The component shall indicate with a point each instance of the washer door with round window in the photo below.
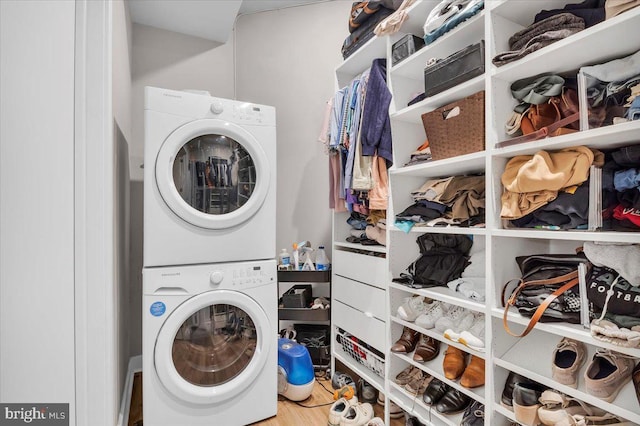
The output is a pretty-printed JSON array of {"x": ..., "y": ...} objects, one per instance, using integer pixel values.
[
  {"x": 212, "y": 347},
  {"x": 212, "y": 174}
]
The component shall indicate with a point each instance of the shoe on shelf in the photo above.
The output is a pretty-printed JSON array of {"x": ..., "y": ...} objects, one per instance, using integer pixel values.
[
  {"x": 427, "y": 349},
  {"x": 412, "y": 308},
  {"x": 410, "y": 420},
  {"x": 357, "y": 415},
  {"x": 509, "y": 384},
  {"x": 607, "y": 373},
  {"x": 376, "y": 421},
  {"x": 338, "y": 380},
  {"x": 454, "y": 363},
  {"x": 453, "y": 318},
  {"x": 453, "y": 333},
  {"x": 366, "y": 392},
  {"x": 339, "y": 408},
  {"x": 418, "y": 386},
  {"x": 406, "y": 375},
  {"x": 407, "y": 342},
  {"x": 559, "y": 409},
  {"x": 434, "y": 391},
  {"x": 435, "y": 311},
  {"x": 636, "y": 381},
  {"x": 568, "y": 358},
  {"x": 395, "y": 412},
  {"x": 473, "y": 415},
  {"x": 473, "y": 338},
  {"x": 453, "y": 402},
  {"x": 473, "y": 375},
  {"x": 526, "y": 402}
]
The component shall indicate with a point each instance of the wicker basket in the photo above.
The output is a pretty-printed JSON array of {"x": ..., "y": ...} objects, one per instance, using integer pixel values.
[{"x": 452, "y": 134}]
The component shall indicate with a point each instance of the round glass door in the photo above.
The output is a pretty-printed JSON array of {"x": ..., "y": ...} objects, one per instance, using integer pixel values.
[
  {"x": 212, "y": 347},
  {"x": 212, "y": 174}
]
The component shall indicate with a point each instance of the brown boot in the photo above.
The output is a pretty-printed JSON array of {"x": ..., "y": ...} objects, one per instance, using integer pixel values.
[
  {"x": 427, "y": 349},
  {"x": 454, "y": 363},
  {"x": 473, "y": 375},
  {"x": 407, "y": 342}
]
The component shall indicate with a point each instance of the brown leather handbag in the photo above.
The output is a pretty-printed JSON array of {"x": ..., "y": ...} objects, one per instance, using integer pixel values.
[{"x": 547, "y": 291}]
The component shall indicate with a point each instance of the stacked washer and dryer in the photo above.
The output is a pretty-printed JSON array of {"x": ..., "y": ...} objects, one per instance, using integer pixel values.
[{"x": 209, "y": 278}]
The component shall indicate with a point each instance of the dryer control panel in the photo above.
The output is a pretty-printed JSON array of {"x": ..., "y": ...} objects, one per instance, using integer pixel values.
[{"x": 251, "y": 276}]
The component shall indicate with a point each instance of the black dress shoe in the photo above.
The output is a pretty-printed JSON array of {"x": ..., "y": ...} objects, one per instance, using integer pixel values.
[
  {"x": 434, "y": 392},
  {"x": 473, "y": 415},
  {"x": 453, "y": 402},
  {"x": 507, "y": 392}
]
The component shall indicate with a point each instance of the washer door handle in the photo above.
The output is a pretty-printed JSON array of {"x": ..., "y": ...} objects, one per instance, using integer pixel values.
[{"x": 170, "y": 291}]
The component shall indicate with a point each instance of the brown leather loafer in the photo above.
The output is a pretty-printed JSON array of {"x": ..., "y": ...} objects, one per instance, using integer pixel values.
[
  {"x": 473, "y": 375},
  {"x": 454, "y": 363},
  {"x": 427, "y": 349},
  {"x": 407, "y": 342}
]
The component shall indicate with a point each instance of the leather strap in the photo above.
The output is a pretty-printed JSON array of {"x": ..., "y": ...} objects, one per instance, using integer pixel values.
[
  {"x": 540, "y": 134},
  {"x": 572, "y": 282}
]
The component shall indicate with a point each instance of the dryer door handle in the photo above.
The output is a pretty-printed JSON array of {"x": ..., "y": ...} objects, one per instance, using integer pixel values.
[{"x": 170, "y": 291}]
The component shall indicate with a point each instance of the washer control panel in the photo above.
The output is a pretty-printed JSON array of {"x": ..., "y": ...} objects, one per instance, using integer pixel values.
[
  {"x": 248, "y": 113},
  {"x": 250, "y": 276}
]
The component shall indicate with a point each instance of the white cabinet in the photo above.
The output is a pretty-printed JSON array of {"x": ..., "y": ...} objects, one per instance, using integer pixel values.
[{"x": 614, "y": 38}]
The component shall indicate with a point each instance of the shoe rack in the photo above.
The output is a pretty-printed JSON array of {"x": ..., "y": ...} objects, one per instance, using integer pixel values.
[{"x": 530, "y": 356}]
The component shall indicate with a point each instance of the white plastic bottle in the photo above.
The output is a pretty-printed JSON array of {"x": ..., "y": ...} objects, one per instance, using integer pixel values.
[
  {"x": 284, "y": 261},
  {"x": 322, "y": 261}
]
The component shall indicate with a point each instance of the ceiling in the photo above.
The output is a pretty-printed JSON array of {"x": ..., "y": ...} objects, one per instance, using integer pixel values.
[{"x": 208, "y": 19}]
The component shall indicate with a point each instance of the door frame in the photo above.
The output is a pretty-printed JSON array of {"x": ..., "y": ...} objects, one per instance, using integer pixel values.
[{"x": 96, "y": 343}]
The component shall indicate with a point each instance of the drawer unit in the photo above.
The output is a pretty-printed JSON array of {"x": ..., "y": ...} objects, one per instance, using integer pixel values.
[
  {"x": 363, "y": 326},
  {"x": 363, "y": 297},
  {"x": 360, "y": 267}
]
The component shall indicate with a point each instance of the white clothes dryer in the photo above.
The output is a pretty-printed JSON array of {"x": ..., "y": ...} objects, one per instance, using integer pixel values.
[
  {"x": 209, "y": 179},
  {"x": 210, "y": 344}
]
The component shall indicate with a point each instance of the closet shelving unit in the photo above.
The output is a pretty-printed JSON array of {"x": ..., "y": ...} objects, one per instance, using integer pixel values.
[{"x": 613, "y": 38}]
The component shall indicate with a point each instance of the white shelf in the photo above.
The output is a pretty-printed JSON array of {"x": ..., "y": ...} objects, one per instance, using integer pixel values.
[
  {"x": 415, "y": 406},
  {"x": 413, "y": 113},
  {"x": 375, "y": 249},
  {"x": 361, "y": 59},
  {"x": 573, "y": 331},
  {"x": 608, "y": 137},
  {"x": 441, "y": 230},
  {"x": 625, "y": 405},
  {"x": 590, "y": 46},
  {"x": 436, "y": 335},
  {"x": 612, "y": 236},
  {"x": 444, "y": 294},
  {"x": 458, "y": 38},
  {"x": 462, "y": 164},
  {"x": 507, "y": 413}
]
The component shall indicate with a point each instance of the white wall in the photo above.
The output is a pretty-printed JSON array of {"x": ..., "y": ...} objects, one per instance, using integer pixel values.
[
  {"x": 37, "y": 202},
  {"x": 286, "y": 58},
  {"x": 122, "y": 57},
  {"x": 173, "y": 61}
]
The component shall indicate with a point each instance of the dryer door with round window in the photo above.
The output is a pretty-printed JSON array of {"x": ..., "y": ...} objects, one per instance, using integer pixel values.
[
  {"x": 212, "y": 174},
  {"x": 212, "y": 347}
]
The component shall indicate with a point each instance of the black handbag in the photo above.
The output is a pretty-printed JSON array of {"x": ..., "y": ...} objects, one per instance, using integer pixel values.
[{"x": 547, "y": 291}]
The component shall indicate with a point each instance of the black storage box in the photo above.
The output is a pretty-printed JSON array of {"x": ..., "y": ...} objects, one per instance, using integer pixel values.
[
  {"x": 317, "y": 339},
  {"x": 298, "y": 296},
  {"x": 455, "y": 69},
  {"x": 405, "y": 47},
  {"x": 359, "y": 37}
]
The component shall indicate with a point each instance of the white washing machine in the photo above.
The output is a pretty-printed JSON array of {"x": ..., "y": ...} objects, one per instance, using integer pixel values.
[
  {"x": 209, "y": 179},
  {"x": 210, "y": 344}
]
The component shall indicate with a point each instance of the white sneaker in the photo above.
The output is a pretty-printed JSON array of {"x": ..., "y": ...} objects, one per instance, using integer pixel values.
[
  {"x": 376, "y": 421},
  {"x": 339, "y": 409},
  {"x": 451, "y": 318},
  {"x": 395, "y": 412},
  {"x": 434, "y": 311},
  {"x": 474, "y": 337},
  {"x": 412, "y": 308},
  {"x": 357, "y": 415},
  {"x": 465, "y": 323}
]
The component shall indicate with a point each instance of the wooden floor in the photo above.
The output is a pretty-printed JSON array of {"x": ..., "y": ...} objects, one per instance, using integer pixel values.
[{"x": 290, "y": 413}]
